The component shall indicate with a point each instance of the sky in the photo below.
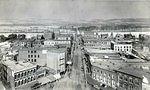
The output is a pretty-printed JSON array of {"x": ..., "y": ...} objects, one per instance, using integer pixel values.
[{"x": 72, "y": 10}]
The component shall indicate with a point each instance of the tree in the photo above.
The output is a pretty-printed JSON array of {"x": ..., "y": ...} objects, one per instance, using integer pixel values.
[
  {"x": 53, "y": 35},
  {"x": 12, "y": 37},
  {"x": 21, "y": 36},
  {"x": 141, "y": 38},
  {"x": 42, "y": 37},
  {"x": 2, "y": 38}
]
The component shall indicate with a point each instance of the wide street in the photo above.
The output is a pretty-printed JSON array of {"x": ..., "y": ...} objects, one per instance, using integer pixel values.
[
  {"x": 76, "y": 80},
  {"x": 1, "y": 86}
]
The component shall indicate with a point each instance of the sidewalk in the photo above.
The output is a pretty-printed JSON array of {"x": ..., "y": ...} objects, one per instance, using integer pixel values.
[{"x": 2, "y": 86}]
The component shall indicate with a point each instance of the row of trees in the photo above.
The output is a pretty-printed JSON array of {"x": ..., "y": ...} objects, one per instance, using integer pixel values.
[
  {"x": 119, "y": 26},
  {"x": 111, "y": 27},
  {"x": 12, "y": 37}
]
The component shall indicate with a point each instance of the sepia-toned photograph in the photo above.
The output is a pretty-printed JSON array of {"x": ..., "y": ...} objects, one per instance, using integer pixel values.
[{"x": 74, "y": 44}]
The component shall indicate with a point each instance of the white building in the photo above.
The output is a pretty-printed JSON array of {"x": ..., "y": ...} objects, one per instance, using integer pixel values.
[
  {"x": 52, "y": 57},
  {"x": 121, "y": 46},
  {"x": 18, "y": 73},
  {"x": 56, "y": 59},
  {"x": 103, "y": 44},
  {"x": 56, "y": 42},
  {"x": 63, "y": 37}
]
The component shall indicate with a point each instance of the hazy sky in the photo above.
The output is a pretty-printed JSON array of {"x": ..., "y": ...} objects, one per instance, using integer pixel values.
[{"x": 73, "y": 10}]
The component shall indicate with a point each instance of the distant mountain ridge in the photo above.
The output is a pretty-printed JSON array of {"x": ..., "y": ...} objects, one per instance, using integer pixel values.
[{"x": 96, "y": 22}]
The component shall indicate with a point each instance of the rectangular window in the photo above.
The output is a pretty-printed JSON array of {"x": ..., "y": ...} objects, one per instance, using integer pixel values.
[
  {"x": 31, "y": 56},
  {"x": 28, "y": 56},
  {"x": 121, "y": 77},
  {"x": 34, "y": 51},
  {"x": 31, "y": 51},
  {"x": 28, "y": 51},
  {"x": 15, "y": 76},
  {"x": 38, "y": 56},
  {"x": 35, "y": 56},
  {"x": 28, "y": 59},
  {"x": 34, "y": 60}
]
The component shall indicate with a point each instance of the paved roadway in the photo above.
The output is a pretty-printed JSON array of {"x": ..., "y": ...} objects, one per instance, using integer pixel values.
[
  {"x": 76, "y": 81},
  {"x": 2, "y": 86}
]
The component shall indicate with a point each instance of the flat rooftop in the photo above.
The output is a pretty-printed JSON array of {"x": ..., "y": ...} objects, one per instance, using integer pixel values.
[
  {"x": 112, "y": 61},
  {"x": 50, "y": 49},
  {"x": 131, "y": 71},
  {"x": 122, "y": 67},
  {"x": 46, "y": 79},
  {"x": 92, "y": 51},
  {"x": 122, "y": 42},
  {"x": 104, "y": 54},
  {"x": 18, "y": 66}
]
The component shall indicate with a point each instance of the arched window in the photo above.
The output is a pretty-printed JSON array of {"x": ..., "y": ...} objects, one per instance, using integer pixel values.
[
  {"x": 25, "y": 80},
  {"x": 34, "y": 70},
  {"x": 18, "y": 83},
  {"x": 31, "y": 71},
  {"x": 25, "y": 73},
  {"x": 33, "y": 78},
  {"x": 22, "y": 74},
  {"x": 15, "y": 76},
  {"x": 15, "y": 84},
  {"x": 21, "y": 82},
  {"x": 19, "y": 75},
  {"x": 28, "y": 72},
  {"x": 29, "y": 79}
]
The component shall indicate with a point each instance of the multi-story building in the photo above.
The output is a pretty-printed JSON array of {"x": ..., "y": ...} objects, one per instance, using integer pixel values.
[
  {"x": 96, "y": 40},
  {"x": 48, "y": 35},
  {"x": 123, "y": 46},
  {"x": 52, "y": 57},
  {"x": 129, "y": 79},
  {"x": 19, "y": 73},
  {"x": 119, "y": 79},
  {"x": 56, "y": 42},
  {"x": 102, "y": 44},
  {"x": 119, "y": 37},
  {"x": 56, "y": 59},
  {"x": 109, "y": 70},
  {"x": 63, "y": 37},
  {"x": 34, "y": 55},
  {"x": 104, "y": 77},
  {"x": 34, "y": 43}
]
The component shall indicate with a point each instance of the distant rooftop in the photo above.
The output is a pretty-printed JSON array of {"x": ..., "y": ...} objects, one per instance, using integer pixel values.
[
  {"x": 99, "y": 51},
  {"x": 57, "y": 40},
  {"x": 131, "y": 71},
  {"x": 112, "y": 61},
  {"x": 46, "y": 79},
  {"x": 123, "y": 68},
  {"x": 97, "y": 39},
  {"x": 52, "y": 49},
  {"x": 122, "y": 42}
]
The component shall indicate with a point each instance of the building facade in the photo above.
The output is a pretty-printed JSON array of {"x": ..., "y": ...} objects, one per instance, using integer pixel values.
[
  {"x": 97, "y": 43},
  {"x": 17, "y": 74},
  {"x": 34, "y": 55},
  {"x": 117, "y": 79},
  {"x": 121, "y": 46},
  {"x": 103, "y": 76},
  {"x": 56, "y": 42},
  {"x": 56, "y": 60},
  {"x": 128, "y": 81}
]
